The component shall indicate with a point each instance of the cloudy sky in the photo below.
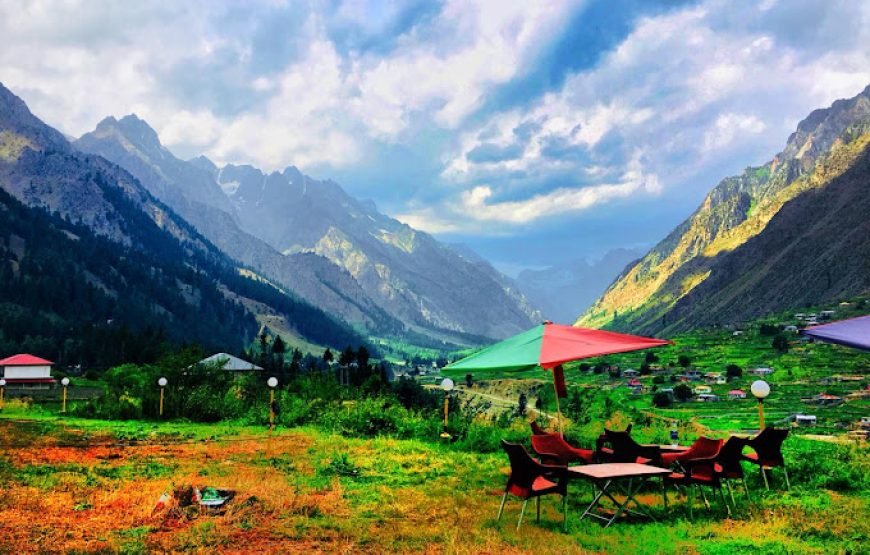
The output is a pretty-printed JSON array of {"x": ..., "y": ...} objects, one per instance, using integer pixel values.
[{"x": 535, "y": 132}]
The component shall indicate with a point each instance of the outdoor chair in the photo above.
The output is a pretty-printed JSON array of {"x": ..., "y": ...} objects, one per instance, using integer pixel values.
[
  {"x": 531, "y": 479},
  {"x": 602, "y": 453},
  {"x": 537, "y": 430},
  {"x": 768, "y": 452},
  {"x": 729, "y": 467},
  {"x": 623, "y": 448},
  {"x": 699, "y": 469},
  {"x": 553, "y": 449}
]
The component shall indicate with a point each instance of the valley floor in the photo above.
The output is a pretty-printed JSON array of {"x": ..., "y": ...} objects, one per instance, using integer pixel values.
[{"x": 89, "y": 487}]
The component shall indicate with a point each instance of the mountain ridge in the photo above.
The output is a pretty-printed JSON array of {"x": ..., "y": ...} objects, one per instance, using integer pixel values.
[{"x": 737, "y": 210}]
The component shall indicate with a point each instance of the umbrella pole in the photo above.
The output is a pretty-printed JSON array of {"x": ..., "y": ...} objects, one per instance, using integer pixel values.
[{"x": 558, "y": 408}]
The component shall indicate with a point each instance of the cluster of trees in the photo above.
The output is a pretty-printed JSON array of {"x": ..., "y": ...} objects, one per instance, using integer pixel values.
[{"x": 207, "y": 393}]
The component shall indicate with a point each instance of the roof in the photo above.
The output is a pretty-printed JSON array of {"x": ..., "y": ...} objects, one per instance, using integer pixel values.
[
  {"x": 736, "y": 392},
  {"x": 25, "y": 360},
  {"x": 230, "y": 363},
  {"x": 11, "y": 381}
]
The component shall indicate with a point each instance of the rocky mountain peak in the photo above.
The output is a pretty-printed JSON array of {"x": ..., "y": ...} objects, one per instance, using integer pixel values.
[
  {"x": 16, "y": 118},
  {"x": 204, "y": 163}
]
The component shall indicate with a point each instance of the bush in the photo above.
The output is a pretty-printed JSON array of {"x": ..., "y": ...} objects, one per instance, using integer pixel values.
[
  {"x": 662, "y": 399},
  {"x": 733, "y": 371},
  {"x": 780, "y": 343},
  {"x": 683, "y": 392},
  {"x": 658, "y": 380}
]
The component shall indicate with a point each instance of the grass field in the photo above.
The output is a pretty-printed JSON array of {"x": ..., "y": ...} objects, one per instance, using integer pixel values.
[{"x": 88, "y": 486}]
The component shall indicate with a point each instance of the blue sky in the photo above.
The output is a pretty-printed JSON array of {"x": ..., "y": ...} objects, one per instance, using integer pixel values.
[{"x": 535, "y": 132}]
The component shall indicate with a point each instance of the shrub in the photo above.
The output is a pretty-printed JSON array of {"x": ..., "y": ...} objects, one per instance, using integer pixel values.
[
  {"x": 733, "y": 371},
  {"x": 683, "y": 392},
  {"x": 662, "y": 399}
]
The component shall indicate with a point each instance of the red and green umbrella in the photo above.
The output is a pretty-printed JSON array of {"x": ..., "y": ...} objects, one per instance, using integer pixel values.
[{"x": 549, "y": 346}]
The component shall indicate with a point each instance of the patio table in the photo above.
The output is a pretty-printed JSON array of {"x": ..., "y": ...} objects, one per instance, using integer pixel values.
[{"x": 629, "y": 477}]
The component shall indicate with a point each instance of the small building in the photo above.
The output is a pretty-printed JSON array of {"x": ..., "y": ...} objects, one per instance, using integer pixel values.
[
  {"x": 230, "y": 363},
  {"x": 805, "y": 419},
  {"x": 826, "y": 400},
  {"x": 715, "y": 378},
  {"x": 630, "y": 373},
  {"x": 791, "y": 328},
  {"x": 634, "y": 382},
  {"x": 736, "y": 394},
  {"x": 693, "y": 375},
  {"x": 737, "y": 332},
  {"x": 707, "y": 398},
  {"x": 25, "y": 371},
  {"x": 827, "y": 314},
  {"x": 761, "y": 371},
  {"x": 703, "y": 390}
]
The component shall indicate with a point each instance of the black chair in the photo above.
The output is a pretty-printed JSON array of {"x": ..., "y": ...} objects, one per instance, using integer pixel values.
[
  {"x": 531, "y": 479},
  {"x": 768, "y": 452},
  {"x": 623, "y": 448},
  {"x": 729, "y": 467}
]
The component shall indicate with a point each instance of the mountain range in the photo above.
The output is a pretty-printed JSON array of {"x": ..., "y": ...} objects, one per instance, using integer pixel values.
[
  {"x": 87, "y": 252},
  {"x": 290, "y": 253},
  {"x": 310, "y": 236},
  {"x": 793, "y": 232}
]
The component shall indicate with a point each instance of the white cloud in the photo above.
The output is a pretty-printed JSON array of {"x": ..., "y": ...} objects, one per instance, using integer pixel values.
[
  {"x": 728, "y": 127},
  {"x": 691, "y": 89},
  {"x": 475, "y": 210}
]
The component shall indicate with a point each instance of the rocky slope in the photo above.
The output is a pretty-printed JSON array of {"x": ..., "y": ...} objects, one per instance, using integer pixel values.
[
  {"x": 717, "y": 267},
  {"x": 191, "y": 190},
  {"x": 162, "y": 253},
  {"x": 424, "y": 283}
]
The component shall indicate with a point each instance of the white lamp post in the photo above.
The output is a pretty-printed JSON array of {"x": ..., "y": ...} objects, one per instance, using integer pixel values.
[
  {"x": 760, "y": 389},
  {"x": 2, "y": 391},
  {"x": 272, "y": 383},
  {"x": 447, "y": 386},
  {"x": 64, "y": 382},
  {"x": 162, "y": 383}
]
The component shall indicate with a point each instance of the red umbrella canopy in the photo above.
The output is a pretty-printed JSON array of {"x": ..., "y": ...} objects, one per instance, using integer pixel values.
[{"x": 551, "y": 345}]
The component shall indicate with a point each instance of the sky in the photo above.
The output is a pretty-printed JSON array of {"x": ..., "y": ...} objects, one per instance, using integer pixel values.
[{"x": 535, "y": 132}]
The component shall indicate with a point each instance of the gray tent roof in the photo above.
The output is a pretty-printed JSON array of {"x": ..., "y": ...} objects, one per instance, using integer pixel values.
[{"x": 230, "y": 363}]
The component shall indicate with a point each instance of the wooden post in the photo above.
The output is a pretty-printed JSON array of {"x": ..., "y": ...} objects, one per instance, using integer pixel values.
[
  {"x": 761, "y": 413},
  {"x": 444, "y": 433},
  {"x": 558, "y": 408},
  {"x": 2, "y": 391},
  {"x": 161, "y": 402},
  {"x": 271, "y": 410},
  {"x": 63, "y": 409}
]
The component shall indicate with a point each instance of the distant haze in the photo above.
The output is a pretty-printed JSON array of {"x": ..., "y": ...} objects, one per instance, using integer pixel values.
[{"x": 563, "y": 292}]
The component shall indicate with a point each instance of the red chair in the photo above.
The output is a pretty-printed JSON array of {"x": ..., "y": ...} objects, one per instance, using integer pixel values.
[
  {"x": 536, "y": 429},
  {"x": 728, "y": 465},
  {"x": 768, "y": 452},
  {"x": 531, "y": 479},
  {"x": 699, "y": 470},
  {"x": 553, "y": 449}
]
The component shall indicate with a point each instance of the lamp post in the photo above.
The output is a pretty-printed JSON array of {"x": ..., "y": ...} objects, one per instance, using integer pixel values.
[
  {"x": 760, "y": 389},
  {"x": 272, "y": 383},
  {"x": 64, "y": 382},
  {"x": 2, "y": 391},
  {"x": 447, "y": 386},
  {"x": 162, "y": 383}
]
